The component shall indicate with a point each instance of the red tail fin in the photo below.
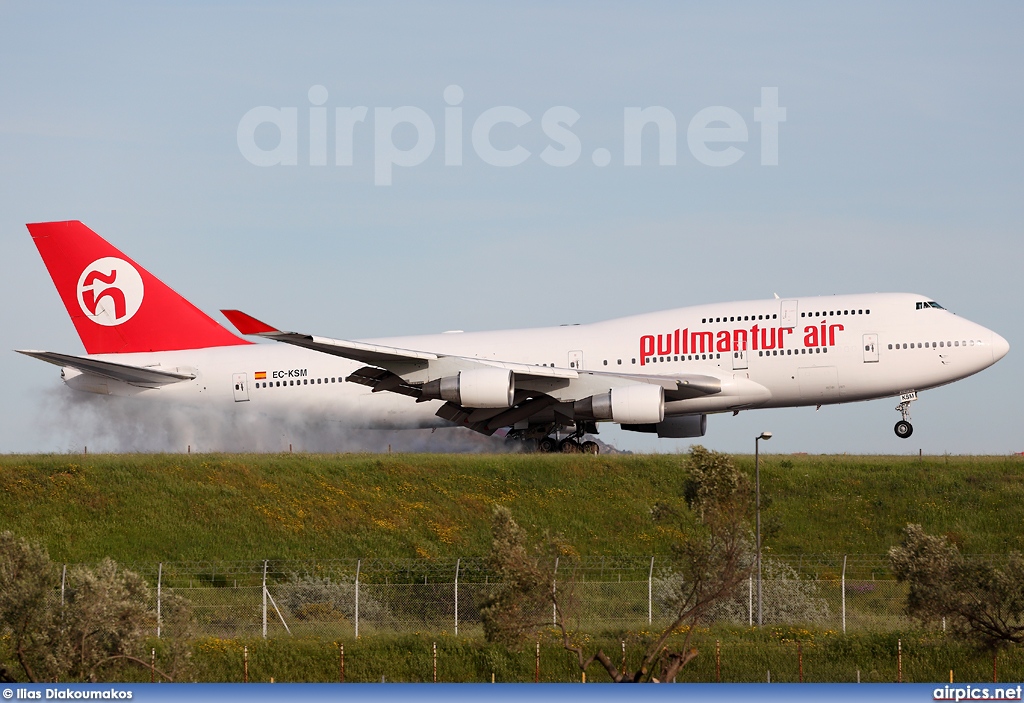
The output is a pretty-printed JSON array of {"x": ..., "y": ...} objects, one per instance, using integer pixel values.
[{"x": 116, "y": 305}]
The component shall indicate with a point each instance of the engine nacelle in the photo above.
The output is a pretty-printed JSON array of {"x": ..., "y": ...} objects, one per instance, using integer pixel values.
[
  {"x": 476, "y": 388},
  {"x": 676, "y": 427},
  {"x": 642, "y": 403}
]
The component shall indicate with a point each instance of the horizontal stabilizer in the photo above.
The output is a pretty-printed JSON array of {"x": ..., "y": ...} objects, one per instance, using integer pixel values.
[{"x": 136, "y": 375}]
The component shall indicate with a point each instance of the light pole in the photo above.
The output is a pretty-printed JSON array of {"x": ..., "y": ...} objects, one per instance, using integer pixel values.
[{"x": 757, "y": 494}]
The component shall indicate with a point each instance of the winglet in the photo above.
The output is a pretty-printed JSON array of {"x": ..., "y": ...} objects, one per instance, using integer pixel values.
[{"x": 247, "y": 324}]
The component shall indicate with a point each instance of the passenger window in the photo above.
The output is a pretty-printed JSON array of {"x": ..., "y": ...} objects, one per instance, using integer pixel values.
[{"x": 620, "y": 362}]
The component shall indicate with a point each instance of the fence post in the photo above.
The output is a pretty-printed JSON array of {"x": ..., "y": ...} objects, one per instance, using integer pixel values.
[
  {"x": 341, "y": 663},
  {"x": 800, "y": 659},
  {"x": 650, "y": 593},
  {"x": 359, "y": 564},
  {"x": 536, "y": 666},
  {"x": 435, "y": 662},
  {"x": 159, "y": 583},
  {"x": 750, "y": 601},
  {"x": 554, "y": 608},
  {"x": 842, "y": 584},
  {"x": 899, "y": 661},
  {"x": 265, "y": 599},
  {"x": 64, "y": 579},
  {"x": 458, "y": 563},
  {"x": 245, "y": 664},
  {"x": 718, "y": 661}
]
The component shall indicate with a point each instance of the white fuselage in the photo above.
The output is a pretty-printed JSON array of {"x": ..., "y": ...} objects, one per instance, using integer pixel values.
[{"x": 768, "y": 353}]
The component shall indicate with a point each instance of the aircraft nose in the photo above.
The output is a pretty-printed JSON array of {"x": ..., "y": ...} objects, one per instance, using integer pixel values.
[{"x": 999, "y": 347}]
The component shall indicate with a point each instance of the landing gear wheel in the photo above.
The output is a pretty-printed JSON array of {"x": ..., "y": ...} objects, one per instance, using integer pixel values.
[
  {"x": 547, "y": 445},
  {"x": 590, "y": 448},
  {"x": 903, "y": 428},
  {"x": 569, "y": 446}
]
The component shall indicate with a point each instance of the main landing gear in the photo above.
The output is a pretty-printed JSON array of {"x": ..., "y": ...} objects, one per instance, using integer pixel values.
[
  {"x": 903, "y": 428},
  {"x": 548, "y": 444}
]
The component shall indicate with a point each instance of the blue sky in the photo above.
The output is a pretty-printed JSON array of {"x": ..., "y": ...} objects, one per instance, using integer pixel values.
[{"x": 900, "y": 169}]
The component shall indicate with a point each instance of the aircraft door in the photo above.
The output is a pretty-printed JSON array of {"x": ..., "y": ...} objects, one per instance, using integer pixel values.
[
  {"x": 870, "y": 348},
  {"x": 240, "y": 383},
  {"x": 788, "y": 317},
  {"x": 576, "y": 360},
  {"x": 739, "y": 359}
]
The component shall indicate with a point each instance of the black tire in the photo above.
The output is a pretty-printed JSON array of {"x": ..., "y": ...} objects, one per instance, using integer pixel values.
[
  {"x": 903, "y": 429},
  {"x": 547, "y": 445},
  {"x": 569, "y": 446},
  {"x": 591, "y": 448}
]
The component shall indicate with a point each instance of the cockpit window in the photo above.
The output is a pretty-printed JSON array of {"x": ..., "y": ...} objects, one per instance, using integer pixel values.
[{"x": 930, "y": 304}]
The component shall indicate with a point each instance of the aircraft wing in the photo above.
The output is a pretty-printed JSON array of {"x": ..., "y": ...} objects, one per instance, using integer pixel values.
[
  {"x": 391, "y": 358},
  {"x": 136, "y": 375},
  {"x": 533, "y": 391}
]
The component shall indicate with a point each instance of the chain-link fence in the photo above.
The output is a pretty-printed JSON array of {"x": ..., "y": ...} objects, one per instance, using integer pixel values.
[{"x": 363, "y": 597}]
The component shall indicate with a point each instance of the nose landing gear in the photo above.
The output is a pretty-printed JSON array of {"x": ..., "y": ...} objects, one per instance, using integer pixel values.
[{"x": 903, "y": 428}]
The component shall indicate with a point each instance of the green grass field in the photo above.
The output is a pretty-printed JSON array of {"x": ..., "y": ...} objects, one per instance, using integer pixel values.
[
  {"x": 221, "y": 508},
  {"x": 738, "y": 656},
  {"x": 138, "y": 508}
]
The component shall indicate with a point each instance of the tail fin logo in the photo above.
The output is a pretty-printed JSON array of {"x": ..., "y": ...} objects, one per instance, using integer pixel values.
[{"x": 110, "y": 291}]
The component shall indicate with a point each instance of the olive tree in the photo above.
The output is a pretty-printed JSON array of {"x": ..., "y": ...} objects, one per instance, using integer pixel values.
[
  {"x": 99, "y": 625},
  {"x": 708, "y": 564},
  {"x": 980, "y": 600}
]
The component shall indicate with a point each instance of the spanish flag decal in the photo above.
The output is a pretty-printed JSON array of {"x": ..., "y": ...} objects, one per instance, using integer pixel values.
[{"x": 261, "y": 375}]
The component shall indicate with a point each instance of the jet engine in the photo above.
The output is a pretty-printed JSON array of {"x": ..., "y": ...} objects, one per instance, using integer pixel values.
[
  {"x": 643, "y": 403},
  {"x": 675, "y": 427},
  {"x": 476, "y": 388}
]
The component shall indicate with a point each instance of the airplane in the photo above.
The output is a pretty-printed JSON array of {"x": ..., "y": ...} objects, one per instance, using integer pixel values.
[{"x": 545, "y": 388}]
